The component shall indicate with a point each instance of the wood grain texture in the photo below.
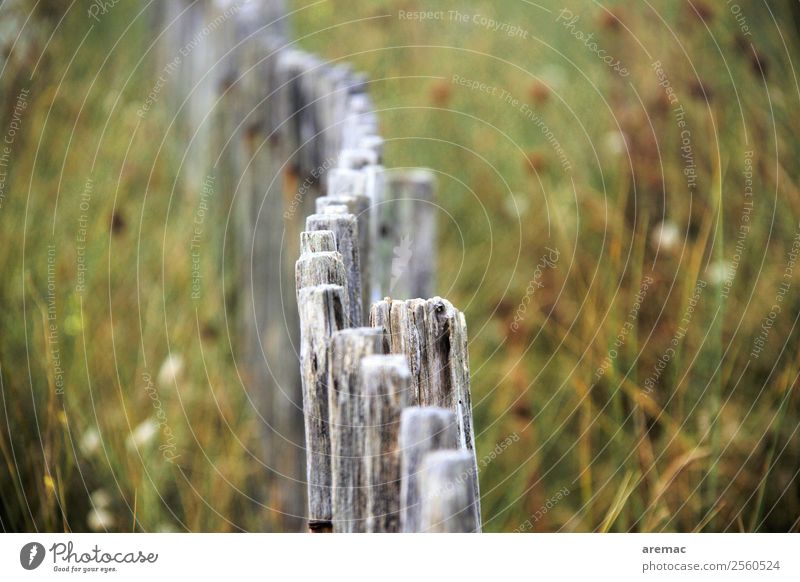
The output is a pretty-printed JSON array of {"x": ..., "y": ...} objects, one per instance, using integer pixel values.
[
  {"x": 289, "y": 69},
  {"x": 322, "y": 313},
  {"x": 449, "y": 500},
  {"x": 422, "y": 430},
  {"x": 432, "y": 334},
  {"x": 345, "y": 227},
  {"x": 332, "y": 92},
  {"x": 387, "y": 382},
  {"x": 318, "y": 241},
  {"x": 358, "y": 206},
  {"x": 321, "y": 268},
  {"x": 347, "y": 406}
]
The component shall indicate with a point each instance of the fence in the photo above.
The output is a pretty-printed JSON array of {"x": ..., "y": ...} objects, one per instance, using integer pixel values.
[{"x": 378, "y": 410}]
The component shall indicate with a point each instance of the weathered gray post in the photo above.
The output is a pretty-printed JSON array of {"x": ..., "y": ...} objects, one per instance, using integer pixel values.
[
  {"x": 449, "y": 500},
  {"x": 358, "y": 206},
  {"x": 347, "y": 420},
  {"x": 322, "y": 313},
  {"x": 406, "y": 235},
  {"x": 433, "y": 336},
  {"x": 422, "y": 430},
  {"x": 387, "y": 381},
  {"x": 317, "y": 241},
  {"x": 321, "y": 267},
  {"x": 345, "y": 228},
  {"x": 346, "y": 182}
]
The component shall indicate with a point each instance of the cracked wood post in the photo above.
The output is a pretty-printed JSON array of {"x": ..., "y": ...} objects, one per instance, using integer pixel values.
[
  {"x": 317, "y": 241},
  {"x": 346, "y": 405},
  {"x": 387, "y": 381},
  {"x": 449, "y": 499},
  {"x": 358, "y": 206},
  {"x": 365, "y": 182},
  {"x": 319, "y": 267},
  {"x": 345, "y": 228},
  {"x": 322, "y": 314},
  {"x": 432, "y": 334},
  {"x": 422, "y": 430}
]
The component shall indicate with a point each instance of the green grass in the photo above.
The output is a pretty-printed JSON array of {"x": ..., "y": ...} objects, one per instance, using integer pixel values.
[{"x": 714, "y": 446}]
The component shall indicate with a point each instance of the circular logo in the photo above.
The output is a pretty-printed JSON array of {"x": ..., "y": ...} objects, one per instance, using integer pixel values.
[{"x": 31, "y": 555}]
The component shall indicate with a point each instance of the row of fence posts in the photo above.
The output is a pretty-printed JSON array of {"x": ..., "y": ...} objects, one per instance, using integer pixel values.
[{"x": 383, "y": 412}]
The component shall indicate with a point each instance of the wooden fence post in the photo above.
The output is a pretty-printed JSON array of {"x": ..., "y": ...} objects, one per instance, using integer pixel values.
[
  {"x": 320, "y": 268},
  {"x": 422, "y": 430},
  {"x": 322, "y": 313},
  {"x": 358, "y": 206},
  {"x": 433, "y": 336},
  {"x": 345, "y": 227},
  {"x": 449, "y": 498},
  {"x": 317, "y": 241},
  {"x": 347, "y": 420},
  {"x": 347, "y": 182},
  {"x": 387, "y": 381},
  {"x": 406, "y": 235}
]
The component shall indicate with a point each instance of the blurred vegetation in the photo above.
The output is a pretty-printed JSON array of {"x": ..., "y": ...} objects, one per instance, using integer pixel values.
[{"x": 712, "y": 446}]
